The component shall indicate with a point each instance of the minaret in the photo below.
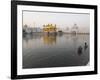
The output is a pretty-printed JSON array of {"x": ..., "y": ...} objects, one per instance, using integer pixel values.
[{"x": 33, "y": 24}]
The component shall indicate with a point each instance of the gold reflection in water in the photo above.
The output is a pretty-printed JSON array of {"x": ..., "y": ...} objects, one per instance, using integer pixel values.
[{"x": 49, "y": 39}]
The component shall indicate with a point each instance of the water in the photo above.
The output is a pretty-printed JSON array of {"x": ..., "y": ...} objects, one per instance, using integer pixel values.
[{"x": 42, "y": 51}]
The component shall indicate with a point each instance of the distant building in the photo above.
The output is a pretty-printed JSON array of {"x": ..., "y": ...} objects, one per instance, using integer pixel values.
[
  {"x": 74, "y": 29},
  {"x": 50, "y": 28},
  {"x": 66, "y": 30},
  {"x": 37, "y": 29},
  {"x": 27, "y": 29}
]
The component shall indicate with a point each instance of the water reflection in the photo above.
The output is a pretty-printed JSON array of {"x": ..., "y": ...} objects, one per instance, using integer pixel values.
[
  {"x": 28, "y": 37},
  {"x": 49, "y": 39},
  {"x": 41, "y": 50},
  {"x": 74, "y": 39}
]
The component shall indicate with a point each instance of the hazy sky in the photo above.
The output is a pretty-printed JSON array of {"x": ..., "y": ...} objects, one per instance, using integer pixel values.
[{"x": 62, "y": 20}]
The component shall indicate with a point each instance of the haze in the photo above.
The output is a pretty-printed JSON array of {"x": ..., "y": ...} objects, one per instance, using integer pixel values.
[{"x": 62, "y": 20}]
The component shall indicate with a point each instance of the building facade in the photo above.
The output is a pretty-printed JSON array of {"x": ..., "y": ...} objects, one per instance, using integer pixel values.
[
  {"x": 74, "y": 29},
  {"x": 50, "y": 28}
]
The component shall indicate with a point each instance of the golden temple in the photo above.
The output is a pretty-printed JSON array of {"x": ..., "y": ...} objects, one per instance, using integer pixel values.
[{"x": 49, "y": 28}]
